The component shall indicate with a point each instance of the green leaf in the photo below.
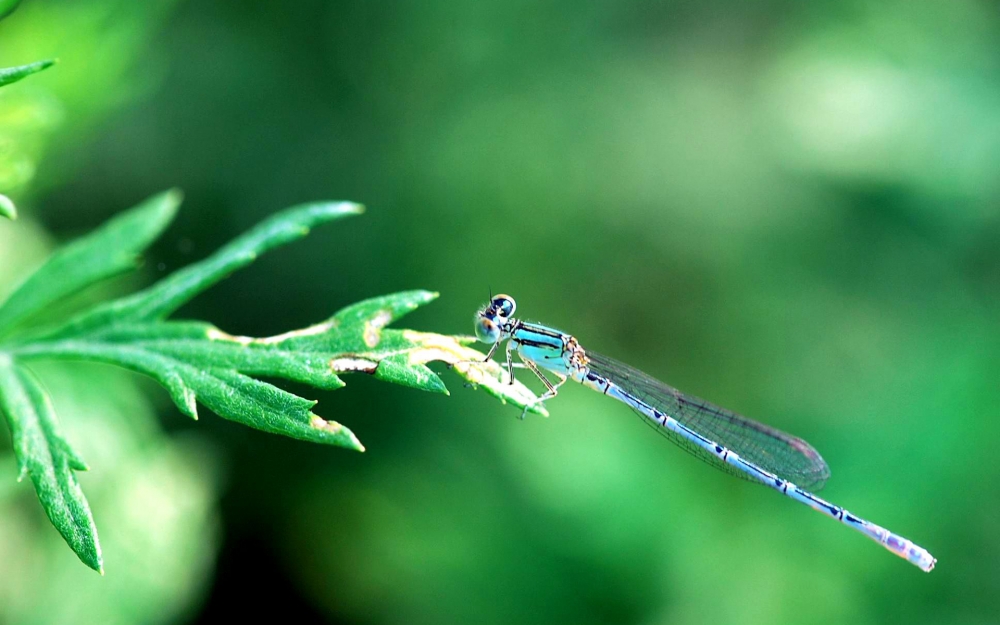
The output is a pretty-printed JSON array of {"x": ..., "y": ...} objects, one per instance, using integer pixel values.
[
  {"x": 469, "y": 363},
  {"x": 7, "y": 208},
  {"x": 195, "y": 341},
  {"x": 357, "y": 341},
  {"x": 44, "y": 455},
  {"x": 7, "y": 7},
  {"x": 111, "y": 249},
  {"x": 10, "y": 75},
  {"x": 196, "y": 362},
  {"x": 225, "y": 391},
  {"x": 266, "y": 407},
  {"x": 199, "y": 364},
  {"x": 172, "y": 292}
]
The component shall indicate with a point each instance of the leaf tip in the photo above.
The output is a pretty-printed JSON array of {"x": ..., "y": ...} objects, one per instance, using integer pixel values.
[
  {"x": 539, "y": 410},
  {"x": 353, "y": 442},
  {"x": 77, "y": 464},
  {"x": 88, "y": 552},
  {"x": 191, "y": 403},
  {"x": 422, "y": 298},
  {"x": 174, "y": 196},
  {"x": 7, "y": 208},
  {"x": 345, "y": 437},
  {"x": 433, "y": 382}
]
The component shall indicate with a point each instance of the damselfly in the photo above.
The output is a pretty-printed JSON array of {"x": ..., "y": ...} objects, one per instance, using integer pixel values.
[{"x": 724, "y": 439}]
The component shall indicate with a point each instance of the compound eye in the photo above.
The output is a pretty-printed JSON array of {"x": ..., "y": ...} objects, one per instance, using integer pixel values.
[
  {"x": 504, "y": 305},
  {"x": 487, "y": 331}
]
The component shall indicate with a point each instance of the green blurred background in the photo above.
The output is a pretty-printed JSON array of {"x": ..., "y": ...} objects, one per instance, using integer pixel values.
[{"x": 790, "y": 208}]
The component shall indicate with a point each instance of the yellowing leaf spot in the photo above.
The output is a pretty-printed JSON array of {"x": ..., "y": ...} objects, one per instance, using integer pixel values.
[
  {"x": 215, "y": 334},
  {"x": 319, "y": 423},
  {"x": 469, "y": 364},
  {"x": 373, "y": 327}
]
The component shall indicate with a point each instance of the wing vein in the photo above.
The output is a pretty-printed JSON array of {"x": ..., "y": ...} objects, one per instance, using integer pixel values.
[{"x": 787, "y": 456}]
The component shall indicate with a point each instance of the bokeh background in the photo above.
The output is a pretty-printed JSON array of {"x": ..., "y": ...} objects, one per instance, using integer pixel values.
[{"x": 790, "y": 208}]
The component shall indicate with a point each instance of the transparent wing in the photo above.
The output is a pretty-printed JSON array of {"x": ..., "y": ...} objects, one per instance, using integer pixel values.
[{"x": 784, "y": 455}]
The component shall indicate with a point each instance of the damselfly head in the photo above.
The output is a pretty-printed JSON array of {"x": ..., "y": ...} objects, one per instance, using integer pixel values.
[
  {"x": 503, "y": 305},
  {"x": 491, "y": 319}
]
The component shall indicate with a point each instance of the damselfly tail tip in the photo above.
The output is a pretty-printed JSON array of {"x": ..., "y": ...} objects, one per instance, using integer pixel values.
[
  {"x": 928, "y": 565},
  {"x": 921, "y": 558}
]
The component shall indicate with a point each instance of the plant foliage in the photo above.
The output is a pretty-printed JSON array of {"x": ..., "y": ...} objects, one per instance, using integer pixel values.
[
  {"x": 10, "y": 75},
  {"x": 193, "y": 360},
  {"x": 7, "y": 7}
]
